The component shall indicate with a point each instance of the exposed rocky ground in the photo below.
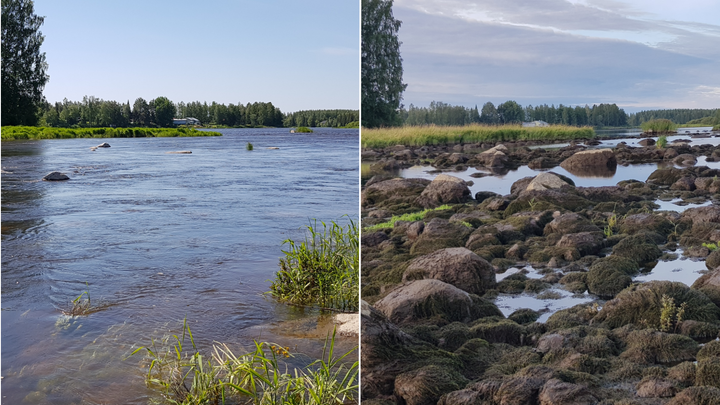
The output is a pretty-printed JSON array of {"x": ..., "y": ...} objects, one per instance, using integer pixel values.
[{"x": 432, "y": 334}]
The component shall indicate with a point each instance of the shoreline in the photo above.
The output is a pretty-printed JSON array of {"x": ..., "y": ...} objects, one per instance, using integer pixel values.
[{"x": 11, "y": 133}]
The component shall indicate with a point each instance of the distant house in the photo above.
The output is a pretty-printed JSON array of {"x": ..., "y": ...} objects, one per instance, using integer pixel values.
[
  {"x": 536, "y": 124},
  {"x": 186, "y": 121}
]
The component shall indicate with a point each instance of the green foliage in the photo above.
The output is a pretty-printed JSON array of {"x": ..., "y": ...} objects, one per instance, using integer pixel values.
[
  {"x": 323, "y": 118},
  {"x": 671, "y": 315},
  {"x": 711, "y": 246},
  {"x": 164, "y": 111},
  {"x": 15, "y": 133},
  {"x": 609, "y": 230},
  {"x": 381, "y": 65},
  {"x": 659, "y": 126},
  {"x": 679, "y": 115},
  {"x": 323, "y": 270},
  {"x": 80, "y": 306},
  {"x": 303, "y": 130},
  {"x": 661, "y": 142},
  {"x": 23, "y": 65},
  {"x": 249, "y": 146},
  {"x": 434, "y": 135},
  {"x": 410, "y": 217},
  {"x": 186, "y": 376}
]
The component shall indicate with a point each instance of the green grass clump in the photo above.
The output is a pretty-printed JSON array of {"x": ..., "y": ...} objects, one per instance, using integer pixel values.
[
  {"x": 661, "y": 142},
  {"x": 81, "y": 307},
  {"x": 33, "y": 133},
  {"x": 258, "y": 377},
  {"x": 322, "y": 271},
  {"x": 659, "y": 126},
  {"x": 303, "y": 130},
  {"x": 438, "y": 135},
  {"x": 249, "y": 146},
  {"x": 411, "y": 217},
  {"x": 711, "y": 246},
  {"x": 352, "y": 124}
]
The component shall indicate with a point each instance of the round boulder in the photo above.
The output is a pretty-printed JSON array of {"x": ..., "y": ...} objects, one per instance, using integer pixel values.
[
  {"x": 457, "y": 266},
  {"x": 428, "y": 298},
  {"x": 444, "y": 189},
  {"x": 590, "y": 160},
  {"x": 55, "y": 176}
]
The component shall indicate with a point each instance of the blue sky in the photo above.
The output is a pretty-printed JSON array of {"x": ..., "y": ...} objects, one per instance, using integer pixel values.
[
  {"x": 297, "y": 55},
  {"x": 640, "y": 54}
]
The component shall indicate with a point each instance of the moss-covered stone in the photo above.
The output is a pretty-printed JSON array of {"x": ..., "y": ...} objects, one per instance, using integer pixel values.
[
  {"x": 524, "y": 316},
  {"x": 642, "y": 304},
  {"x": 708, "y": 372},
  {"x": 504, "y": 331},
  {"x": 652, "y": 347},
  {"x": 637, "y": 248},
  {"x": 683, "y": 373},
  {"x": 697, "y": 396},
  {"x": 427, "y": 384},
  {"x": 571, "y": 317},
  {"x": 450, "y": 337}
]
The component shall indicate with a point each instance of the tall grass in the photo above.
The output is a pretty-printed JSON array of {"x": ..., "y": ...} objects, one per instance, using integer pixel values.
[
  {"x": 323, "y": 270},
  {"x": 23, "y": 132},
  {"x": 658, "y": 126},
  {"x": 413, "y": 216},
  {"x": 186, "y": 376},
  {"x": 438, "y": 135},
  {"x": 303, "y": 130}
]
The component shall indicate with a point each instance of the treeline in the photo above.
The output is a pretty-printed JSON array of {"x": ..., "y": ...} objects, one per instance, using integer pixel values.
[
  {"x": 321, "y": 118},
  {"x": 509, "y": 112},
  {"x": 679, "y": 115},
  {"x": 93, "y": 112}
]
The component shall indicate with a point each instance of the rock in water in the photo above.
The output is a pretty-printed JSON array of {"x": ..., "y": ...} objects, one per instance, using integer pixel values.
[
  {"x": 544, "y": 181},
  {"x": 182, "y": 152},
  {"x": 55, "y": 176},
  {"x": 103, "y": 145},
  {"x": 589, "y": 161}
]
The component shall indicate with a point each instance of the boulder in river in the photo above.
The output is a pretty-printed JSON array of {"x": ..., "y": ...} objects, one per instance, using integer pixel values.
[
  {"x": 103, "y": 145},
  {"x": 55, "y": 176},
  {"x": 591, "y": 162},
  {"x": 444, "y": 189},
  {"x": 544, "y": 181}
]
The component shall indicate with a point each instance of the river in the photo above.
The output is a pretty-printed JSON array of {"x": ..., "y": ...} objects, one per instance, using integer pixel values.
[{"x": 157, "y": 237}]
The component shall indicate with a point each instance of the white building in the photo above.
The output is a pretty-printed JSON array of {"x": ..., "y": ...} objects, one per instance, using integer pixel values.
[
  {"x": 186, "y": 121},
  {"x": 536, "y": 124}
]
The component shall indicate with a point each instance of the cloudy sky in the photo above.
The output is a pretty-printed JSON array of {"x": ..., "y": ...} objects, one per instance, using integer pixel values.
[
  {"x": 298, "y": 55},
  {"x": 640, "y": 54}
]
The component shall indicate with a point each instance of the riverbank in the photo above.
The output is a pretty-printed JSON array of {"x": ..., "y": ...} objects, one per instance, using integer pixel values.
[
  {"x": 22, "y": 132},
  {"x": 442, "y": 135},
  {"x": 541, "y": 292}
]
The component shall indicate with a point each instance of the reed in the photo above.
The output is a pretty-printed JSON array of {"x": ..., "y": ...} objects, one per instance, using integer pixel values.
[
  {"x": 249, "y": 146},
  {"x": 186, "y": 376},
  {"x": 84, "y": 306},
  {"x": 24, "y": 132},
  {"x": 323, "y": 270},
  {"x": 410, "y": 217},
  {"x": 439, "y": 135},
  {"x": 658, "y": 126}
]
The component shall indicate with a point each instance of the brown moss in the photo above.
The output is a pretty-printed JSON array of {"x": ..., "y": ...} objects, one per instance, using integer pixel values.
[
  {"x": 708, "y": 372},
  {"x": 683, "y": 373},
  {"x": 653, "y": 347},
  {"x": 711, "y": 349},
  {"x": 504, "y": 331}
]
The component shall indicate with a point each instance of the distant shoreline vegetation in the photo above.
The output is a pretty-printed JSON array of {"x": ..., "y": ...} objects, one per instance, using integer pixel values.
[
  {"x": 305, "y": 130},
  {"x": 439, "y": 135},
  {"x": 32, "y": 133}
]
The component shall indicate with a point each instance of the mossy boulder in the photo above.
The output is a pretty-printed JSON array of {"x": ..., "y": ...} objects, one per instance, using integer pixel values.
[
  {"x": 640, "y": 248},
  {"x": 711, "y": 213},
  {"x": 587, "y": 243},
  {"x": 610, "y": 275},
  {"x": 642, "y": 304},
  {"x": 709, "y": 284},
  {"x": 697, "y": 396},
  {"x": 541, "y": 200},
  {"x": 457, "y": 266},
  {"x": 570, "y": 223},
  {"x": 393, "y": 192},
  {"x": 708, "y": 372},
  {"x": 683, "y": 374},
  {"x": 439, "y": 234},
  {"x": 665, "y": 177},
  {"x": 451, "y": 337},
  {"x": 656, "y": 387},
  {"x": 519, "y": 390},
  {"x": 590, "y": 161},
  {"x": 503, "y": 331},
  {"x": 568, "y": 318},
  {"x": 712, "y": 262},
  {"x": 524, "y": 316},
  {"x": 643, "y": 222},
  {"x": 427, "y": 384},
  {"x": 652, "y": 347},
  {"x": 476, "y": 355},
  {"x": 698, "y": 330},
  {"x": 558, "y": 392},
  {"x": 444, "y": 189},
  {"x": 431, "y": 299}
]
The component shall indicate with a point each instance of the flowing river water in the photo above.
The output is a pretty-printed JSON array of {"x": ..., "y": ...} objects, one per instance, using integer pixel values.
[{"x": 157, "y": 237}]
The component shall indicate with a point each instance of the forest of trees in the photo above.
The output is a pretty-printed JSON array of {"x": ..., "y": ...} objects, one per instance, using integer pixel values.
[
  {"x": 602, "y": 115},
  {"x": 159, "y": 112}
]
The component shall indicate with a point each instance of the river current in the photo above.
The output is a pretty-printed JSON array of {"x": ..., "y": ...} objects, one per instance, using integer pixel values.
[{"x": 158, "y": 237}]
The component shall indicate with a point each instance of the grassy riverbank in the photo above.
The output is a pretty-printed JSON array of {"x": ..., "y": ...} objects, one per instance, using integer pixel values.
[
  {"x": 438, "y": 135},
  {"x": 323, "y": 270},
  {"x": 20, "y": 132},
  {"x": 186, "y": 375}
]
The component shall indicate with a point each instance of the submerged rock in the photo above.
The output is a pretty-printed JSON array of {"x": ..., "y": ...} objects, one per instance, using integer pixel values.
[{"x": 55, "y": 176}]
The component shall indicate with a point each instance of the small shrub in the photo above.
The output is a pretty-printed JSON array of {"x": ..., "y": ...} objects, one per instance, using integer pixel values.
[
  {"x": 249, "y": 146},
  {"x": 303, "y": 130},
  {"x": 661, "y": 142}
]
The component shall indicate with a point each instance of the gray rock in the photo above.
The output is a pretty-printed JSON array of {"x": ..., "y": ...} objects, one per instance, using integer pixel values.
[
  {"x": 459, "y": 267},
  {"x": 55, "y": 176}
]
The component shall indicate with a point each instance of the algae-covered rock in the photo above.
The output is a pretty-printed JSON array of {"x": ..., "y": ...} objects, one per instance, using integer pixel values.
[
  {"x": 610, "y": 275},
  {"x": 652, "y": 347},
  {"x": 587, "y": 243},
  {"x": 639, "y": 248},
  {"x": 683, "y": 374},
  {"x": 551, "y": 199},
  {"x": 713, "y": 260},
  {"x": 429, "y": 298},
  {"x": 439, "y": 234},
  {"x": 642, "y": 304},
  {"x": 557, "y": 392},
  {"x": 711, "y": 213},
  {"x": 524, "y": 316},
  {"x": 656, "y": 387},
  {"x": 643, "y": 222},
  {"x": 665, "y": 177},
  {"x": 585, "y": 161},
  {"x": 426, "y": 385},
  {"x": 708, "y": 372},
  {"x": 570, "y": 223},
  {"x": 451, "y": 337},
  {"x": 444, "y": 189},
  {"x": 465, "y": 396},
  {"x": 504, "y": 331},
  {"x": 709, "y": 284},
  {"x": 544, "y": 181},
  {"x": 393, "y": 191},
  {"x": 698, "y": 330},
  {"x": 476, "y": 355},
  {"x": 519, "y": 391},
  {"x": 457, "y": 266},
  {"x": 697, "y": 396},
  {"x": 570, "y": 317}
]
